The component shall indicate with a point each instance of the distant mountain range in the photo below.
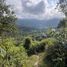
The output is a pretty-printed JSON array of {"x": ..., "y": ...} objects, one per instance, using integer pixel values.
[
  {"x": 37, "y": 24},
  {"x": 33, "y": 25}
]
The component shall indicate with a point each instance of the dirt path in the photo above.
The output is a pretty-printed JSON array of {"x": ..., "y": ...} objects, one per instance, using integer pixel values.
[{"x": 36, "y": 64}]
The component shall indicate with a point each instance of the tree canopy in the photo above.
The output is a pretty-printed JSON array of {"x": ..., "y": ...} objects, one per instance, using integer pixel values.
[
  {"x": 63, "y": 6},
  {"x": 63, "y": 23},
  {"x": 7, "y": 18}
]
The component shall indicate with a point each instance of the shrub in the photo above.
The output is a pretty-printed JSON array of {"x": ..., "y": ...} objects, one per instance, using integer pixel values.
[
  {"x": 56, "y": 56},
  {"x": 36, "y": 49},
  {"x": 27, "y": 43},
  {"x": 12, "y": 55},
  {"x": 49, "y": 42}
]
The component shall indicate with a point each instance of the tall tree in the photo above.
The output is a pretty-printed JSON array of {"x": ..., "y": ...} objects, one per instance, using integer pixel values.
[
  {"x": 7, "y": 18},
  {"x": 63, "y": 23},
  {"x": 63, "y": 6}
]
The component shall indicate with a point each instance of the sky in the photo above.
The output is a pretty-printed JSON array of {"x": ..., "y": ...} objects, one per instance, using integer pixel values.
[{"x": 35, "y": 9}]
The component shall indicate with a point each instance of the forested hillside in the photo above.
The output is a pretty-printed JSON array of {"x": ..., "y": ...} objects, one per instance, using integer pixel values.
[
  {"x": 32, "y": 47},
  {"x": 38, "y": 24}
]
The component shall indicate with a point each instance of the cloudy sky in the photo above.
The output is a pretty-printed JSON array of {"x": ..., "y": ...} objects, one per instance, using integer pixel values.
[{"x": 35, "y": 9}]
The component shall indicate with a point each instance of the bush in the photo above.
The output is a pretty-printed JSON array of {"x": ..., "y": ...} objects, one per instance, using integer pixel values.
[
  {"x": 27, "y": 43},
  {"x": 56, "y": 56},
  {"x": 36, "y": 49},
  {"x": 12, "y": 55},
  {"x": 49, "y": 42}
]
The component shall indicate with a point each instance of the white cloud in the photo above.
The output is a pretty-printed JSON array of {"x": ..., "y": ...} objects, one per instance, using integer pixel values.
[
  {"x": 16, "y": 6},
  {"x": 36, "y": 9},
  {"x": 34, "y": 2}
]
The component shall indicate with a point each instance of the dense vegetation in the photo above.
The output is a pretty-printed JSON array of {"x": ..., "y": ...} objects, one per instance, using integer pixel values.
[{"x": 38, "y": 49}]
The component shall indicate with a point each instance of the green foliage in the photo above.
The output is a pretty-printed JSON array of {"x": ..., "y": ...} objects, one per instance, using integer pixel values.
[
  {"x": 24, "y": 52},
  {"x": 56, "y": 56},
  {"x": 63, "y": 23},
  {"x": 2, "y": 53},
  {"x": 63, "y": 6},
  {"x": 55, "y": 53},
  {"x": 40, "y": 47},
  {"x": 12, "y": 55},
  {"x": 7, "y": 19},
  {"x": 27, "y": 43},
  {"x": 49, "y": 42}
]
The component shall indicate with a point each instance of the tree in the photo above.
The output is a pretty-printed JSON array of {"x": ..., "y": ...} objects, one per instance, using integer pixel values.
[
  {"x": 63, "y": 6},
  {"x": 27, "y": 43},
  {"x": 7, "y": 18},
  {"x": 11, "y": 55},
  {"x": 63, "y": 23},
  {"x": 56, "y": 56}
]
